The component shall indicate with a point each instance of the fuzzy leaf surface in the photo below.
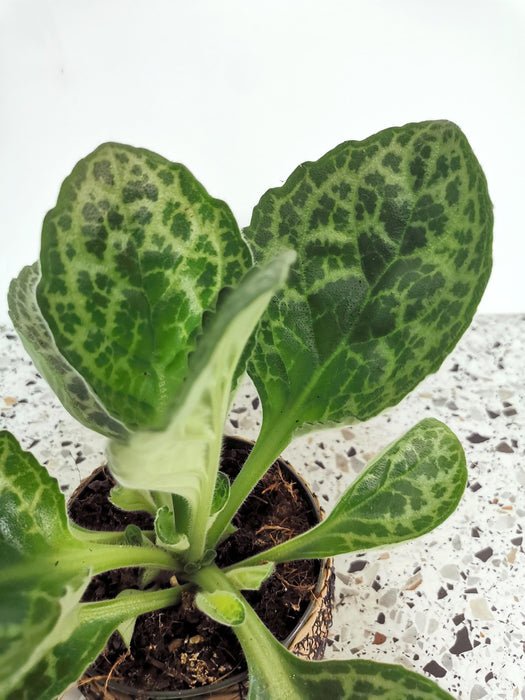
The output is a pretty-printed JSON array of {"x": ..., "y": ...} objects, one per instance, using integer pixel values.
[
  {"x": 133, "y": 255},
  {"x": 393, "y": 236},
  {"x": 250, "y": 578},
  {"x": 132, "y": 499},
  {"x": 69, "y": 386},
  {"x": 407, "y": 490},
  {"x": 224, "y": 607},
  {"x": 46, "y": 639}
]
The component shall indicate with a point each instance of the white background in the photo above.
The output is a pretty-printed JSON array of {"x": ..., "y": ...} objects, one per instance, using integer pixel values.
[{"x": 241, "y": 92}]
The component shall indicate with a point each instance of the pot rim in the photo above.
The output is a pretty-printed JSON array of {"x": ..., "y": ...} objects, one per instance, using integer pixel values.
[{"x": 240, "y": 678}]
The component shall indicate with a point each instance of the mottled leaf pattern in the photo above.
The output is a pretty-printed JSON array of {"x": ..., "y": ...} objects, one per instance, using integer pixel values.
[
  {"x": 393, "y": 236},
  {"x": 133, "y": 255},
  {"x": 70, "y": 650},
  {"x": 407, "y": 490},
  {"x": 69, "y": 386},
  {"x": 63, "y": 663},
  {"x": 355, "y": 679},
  {"x": 47, "y": 636},
  {"x": 276, "y": 674},
  {"x": 40, "y": 582}
]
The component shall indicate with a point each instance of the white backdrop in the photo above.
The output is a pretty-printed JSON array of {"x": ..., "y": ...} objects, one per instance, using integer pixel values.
[{"x": 241, "y": 92}]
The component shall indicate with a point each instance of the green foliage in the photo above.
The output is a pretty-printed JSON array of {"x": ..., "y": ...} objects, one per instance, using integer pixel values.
[
  {"x": 46, "y": 637},
  {"x": 222, "y": 606},
  {"x": 250, "y": 578},
  {"x": 275, "y": 673},
  {"x": 70, "y": 387},
  {"x": 133, "y": 255},
  {"x": 406, "y": 491},
  {"x": 144, "y": 311},
  {"x": 393, "y": 238},
  {"x": 194, "y": 433}
]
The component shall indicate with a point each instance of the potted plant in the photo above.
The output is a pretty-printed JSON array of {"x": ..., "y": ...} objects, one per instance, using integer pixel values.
[{"x": 353, "y": 281}]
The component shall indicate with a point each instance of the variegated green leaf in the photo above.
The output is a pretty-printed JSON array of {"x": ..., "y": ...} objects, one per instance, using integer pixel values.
[
  {"x": 133, "y": 254},
  {"x": 71, "y": 389},
  {"x": 76, "y": 641},
  {"x": 43, "y": 574},
  {"x": 224, "y": 607},
  {"x": 158, "y": 460},
  {"x": 393, "y": 236},
  {"x": 276, "y": 674},
  {"x": 407, "y": 490}
]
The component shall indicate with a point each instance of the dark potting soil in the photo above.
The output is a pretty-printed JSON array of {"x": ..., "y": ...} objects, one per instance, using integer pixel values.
[{"x": 178, "y": 647}]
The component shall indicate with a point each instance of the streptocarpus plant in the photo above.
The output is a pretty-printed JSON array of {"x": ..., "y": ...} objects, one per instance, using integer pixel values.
[{"x": 353, "y": 281}]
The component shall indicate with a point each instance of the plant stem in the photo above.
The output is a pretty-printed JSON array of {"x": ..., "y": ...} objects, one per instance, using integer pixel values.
[
  {"x": 199, "y": 525},
  {"x": 99, "y": 536},
  {"x": 129, "y": 606},
  {"x": 103, "y": 557},
  {"x": 270, "y": 443}
]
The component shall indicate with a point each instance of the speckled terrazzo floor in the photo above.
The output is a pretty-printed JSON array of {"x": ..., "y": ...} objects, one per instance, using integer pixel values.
[{"x": 452, "y": 604}]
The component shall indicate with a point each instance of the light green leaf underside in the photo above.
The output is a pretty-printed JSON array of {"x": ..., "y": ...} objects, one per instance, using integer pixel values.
[
  {"x": 133, "y": 255},
  {"x": 71, "y": 389},
  {"x": 159, "y": 460},
  {"x": 393, "y": 236},
  {"x": 406, "y": 491}
]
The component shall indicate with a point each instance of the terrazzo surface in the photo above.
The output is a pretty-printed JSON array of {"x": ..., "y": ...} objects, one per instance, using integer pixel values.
[{"x": 451, "y": 604}]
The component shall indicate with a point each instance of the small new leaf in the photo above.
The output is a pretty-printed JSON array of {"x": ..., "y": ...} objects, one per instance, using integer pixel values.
[
  {"x": 167, "y": 534},
  {"x": 136, "y": 537},
  {"x": 222, "y": 606},
  {"x": 221, "y": 493}
]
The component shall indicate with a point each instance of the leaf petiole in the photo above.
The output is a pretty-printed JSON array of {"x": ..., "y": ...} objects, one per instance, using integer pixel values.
[{"x": 269, "y": 446}]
